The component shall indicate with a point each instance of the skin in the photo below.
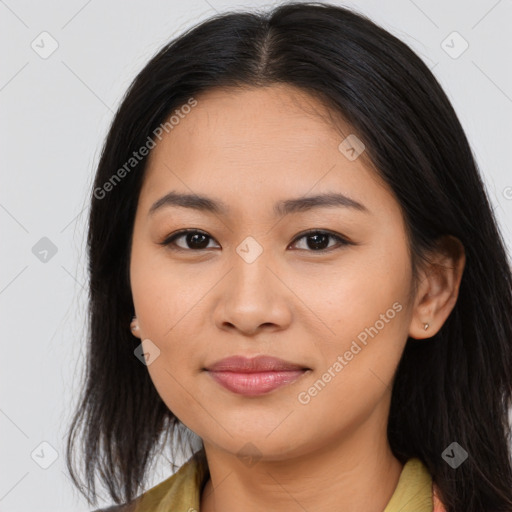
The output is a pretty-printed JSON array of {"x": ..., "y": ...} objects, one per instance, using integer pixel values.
[{"x": 251, "y": 148}]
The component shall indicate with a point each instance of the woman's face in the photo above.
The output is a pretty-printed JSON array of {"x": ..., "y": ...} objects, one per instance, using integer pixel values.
[{"x": 251, "y": 283}]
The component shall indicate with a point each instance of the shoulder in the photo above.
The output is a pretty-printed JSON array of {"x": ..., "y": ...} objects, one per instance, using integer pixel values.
[{"x": 181, "y": 490}]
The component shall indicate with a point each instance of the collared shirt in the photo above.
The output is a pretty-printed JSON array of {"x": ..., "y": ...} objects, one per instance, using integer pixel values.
[{"x": 181, "y": 492}]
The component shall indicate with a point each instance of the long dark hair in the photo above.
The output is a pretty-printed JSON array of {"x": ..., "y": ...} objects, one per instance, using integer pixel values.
[{"x": 454, "y": 387}]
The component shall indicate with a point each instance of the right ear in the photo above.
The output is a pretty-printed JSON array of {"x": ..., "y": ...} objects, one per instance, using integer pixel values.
[{"x": 134, "y": 326}]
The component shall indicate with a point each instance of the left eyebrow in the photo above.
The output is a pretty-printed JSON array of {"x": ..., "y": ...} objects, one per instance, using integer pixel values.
[
  {"x": 327, "y": 200},
  {"x": 281, "y": 208}
]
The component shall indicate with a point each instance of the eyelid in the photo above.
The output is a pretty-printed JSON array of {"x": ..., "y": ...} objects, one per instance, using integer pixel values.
[
  {"x": 182, "y": 232},
  {"x": 342, "y": 241}
]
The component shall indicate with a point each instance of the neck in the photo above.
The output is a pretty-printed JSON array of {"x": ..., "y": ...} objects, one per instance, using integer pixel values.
[{"x": 358, "y": 473}]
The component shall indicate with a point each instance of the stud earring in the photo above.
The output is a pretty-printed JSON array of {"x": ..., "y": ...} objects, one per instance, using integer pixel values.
[
  {"x": 426, "y": 326},
  {"x": 134, "y": 326}
]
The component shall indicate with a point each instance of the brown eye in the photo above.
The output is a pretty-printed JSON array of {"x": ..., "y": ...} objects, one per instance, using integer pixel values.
[
  {"x": 319, "y": 240},
  {"x": 194, "y": 240}
]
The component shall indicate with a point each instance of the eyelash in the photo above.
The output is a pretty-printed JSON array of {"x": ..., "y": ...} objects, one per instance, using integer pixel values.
[{"x": 169, "y": 241}]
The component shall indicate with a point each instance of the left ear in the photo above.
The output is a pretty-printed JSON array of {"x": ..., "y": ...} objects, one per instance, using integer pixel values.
[{"x": 438, "y": 287}]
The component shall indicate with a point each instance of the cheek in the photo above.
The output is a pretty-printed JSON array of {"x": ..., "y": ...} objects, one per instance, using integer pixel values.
[
  {"x": 170, "y": 380},
  {"x": 350, "y": 296},
  {"x": 162, "y": 292},
  {"x": 357, "y": 368},
  {"x": 365, "y": 305},
  {"x": 164, "y": 301}
]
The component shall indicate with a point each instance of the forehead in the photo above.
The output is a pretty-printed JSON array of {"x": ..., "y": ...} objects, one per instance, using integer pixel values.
[
  {"x": 257, "y": 143},
  {"x": 277, "y": 116}
]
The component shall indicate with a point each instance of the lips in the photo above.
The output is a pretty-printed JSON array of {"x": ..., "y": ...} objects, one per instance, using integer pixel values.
[
  {"x": 255, "y": 376},
  {"x": 241, "y": 364}
]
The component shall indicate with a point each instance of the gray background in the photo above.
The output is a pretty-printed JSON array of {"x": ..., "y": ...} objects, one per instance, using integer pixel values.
[{"x": 55, "y": 114}]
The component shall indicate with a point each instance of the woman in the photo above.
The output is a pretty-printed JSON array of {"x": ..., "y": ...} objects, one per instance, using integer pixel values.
[{"x": 292, "y": 255}]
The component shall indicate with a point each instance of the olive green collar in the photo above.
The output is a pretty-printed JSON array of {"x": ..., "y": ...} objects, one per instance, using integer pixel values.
[{"x": 182, "y": 491}]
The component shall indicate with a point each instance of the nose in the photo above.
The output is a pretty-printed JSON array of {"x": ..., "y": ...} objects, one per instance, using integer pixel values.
[{"x": 253, "y": 298}]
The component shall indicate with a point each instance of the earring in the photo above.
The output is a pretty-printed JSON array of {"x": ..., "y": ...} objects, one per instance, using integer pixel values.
[
  {"x": 133, "y": 325},
  {"x": 426, "y": 326}
]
